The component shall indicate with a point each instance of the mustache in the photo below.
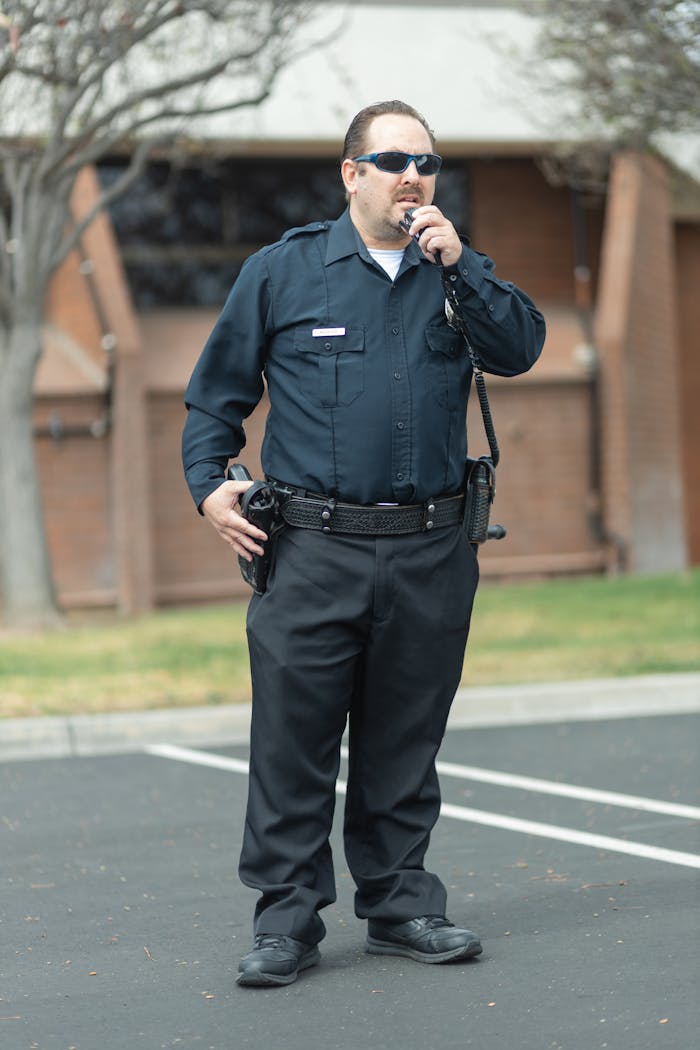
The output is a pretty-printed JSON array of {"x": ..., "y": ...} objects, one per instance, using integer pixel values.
[{"x": 416, "y": 192}]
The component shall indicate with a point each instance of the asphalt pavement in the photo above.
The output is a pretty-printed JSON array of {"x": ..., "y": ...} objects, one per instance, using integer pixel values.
[{"x": 570, "y": 840}]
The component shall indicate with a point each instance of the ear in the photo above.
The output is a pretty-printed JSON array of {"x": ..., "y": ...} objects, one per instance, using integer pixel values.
[{"x": 348, "y": 171}]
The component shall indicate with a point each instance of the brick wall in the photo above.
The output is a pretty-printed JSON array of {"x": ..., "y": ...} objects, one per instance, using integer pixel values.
[
  {"x": 191, "y": 562},
  {"x": 526, "y": 226},
  {"x": 75, "y": 480},
  {"x": 543, "y": 495}
]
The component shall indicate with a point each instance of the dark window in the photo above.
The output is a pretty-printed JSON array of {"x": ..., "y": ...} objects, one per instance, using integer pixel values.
[
  {"x": 452, "y": 195},
  {"x": 185, "y": 231}
]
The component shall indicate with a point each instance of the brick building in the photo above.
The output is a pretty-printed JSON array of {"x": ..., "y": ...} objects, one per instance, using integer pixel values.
[{"x": 600, "y": 453}]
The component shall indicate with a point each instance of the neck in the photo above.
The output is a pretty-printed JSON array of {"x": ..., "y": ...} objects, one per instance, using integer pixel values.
[{"x": 388, "y": 238}]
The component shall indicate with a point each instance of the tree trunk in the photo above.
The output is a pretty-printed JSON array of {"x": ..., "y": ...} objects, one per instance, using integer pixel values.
[{"x": 26, "y": 588}]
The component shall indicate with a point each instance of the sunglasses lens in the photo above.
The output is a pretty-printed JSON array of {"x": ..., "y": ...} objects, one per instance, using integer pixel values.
[
  {"x": 395, "y": 162},
  {"x": 429, "y": 164}
]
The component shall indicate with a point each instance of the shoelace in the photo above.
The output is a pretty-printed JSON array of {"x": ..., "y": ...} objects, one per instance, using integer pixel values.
[
  {"x": 436, "y": 922},
  {"x": 269, "y": 940}
]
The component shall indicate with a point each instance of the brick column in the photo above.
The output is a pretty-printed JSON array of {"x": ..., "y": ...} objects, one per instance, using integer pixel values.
[
  {"x": 130, "y": 487},
  {"x": 688, "y": 271},
  {"x": 636, "y": 335}
]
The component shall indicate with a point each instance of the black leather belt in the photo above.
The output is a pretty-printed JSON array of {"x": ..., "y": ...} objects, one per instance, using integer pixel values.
[{"x": 328, "y": 515}]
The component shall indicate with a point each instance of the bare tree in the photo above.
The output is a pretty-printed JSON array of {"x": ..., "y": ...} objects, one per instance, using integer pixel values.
[
  {"x": 79, "y": 79},
  {"x": 632, "y": 67}
]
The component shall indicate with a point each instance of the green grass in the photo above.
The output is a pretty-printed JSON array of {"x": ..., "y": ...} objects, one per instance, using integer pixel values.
[
  {"x": 170, "y": 658},
  {"x": 585, "y": 628},
  {"x": 526, "y": 632}
]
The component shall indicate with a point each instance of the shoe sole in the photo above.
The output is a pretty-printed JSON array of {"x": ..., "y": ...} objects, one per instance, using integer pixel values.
[
  {"x": 465, "y": 951},
  {"x": 260, "y": 979}
]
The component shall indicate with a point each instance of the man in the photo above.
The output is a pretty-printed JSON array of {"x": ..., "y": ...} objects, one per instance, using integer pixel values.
[{"x": 367, "y": 607}]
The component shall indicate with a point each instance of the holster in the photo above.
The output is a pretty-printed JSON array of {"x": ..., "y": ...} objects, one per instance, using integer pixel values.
[
  {"x": 480, "y": 484},
  {"x": 259, "y": 506}
]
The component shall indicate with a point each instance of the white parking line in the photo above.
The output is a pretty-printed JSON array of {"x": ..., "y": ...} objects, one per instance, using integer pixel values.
[
  {"x": 581, "y": 838},
  {"x": 198, "y": 758},
  {"x": 553, "y": 787},
  {"x": 472, "y": 816}
]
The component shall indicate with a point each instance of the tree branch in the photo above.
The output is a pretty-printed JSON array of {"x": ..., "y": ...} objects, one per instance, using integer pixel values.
[
  {"x": 56, "y": 154},
  {"x": 135, "y": 168},
  {"x": 56, "y": 166},
  {"x": 132, "y": 172},
  {"x": 104, "y": 145},
  {"x": 4, "y": 253},
  {"x": 173, "y": 86},
  {"x": 84, "y": 82},
  {"x": 633, "y": 66}
]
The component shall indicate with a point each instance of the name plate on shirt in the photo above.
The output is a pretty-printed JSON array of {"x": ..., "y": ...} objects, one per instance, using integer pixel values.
[{"x": 323, "y": 332}]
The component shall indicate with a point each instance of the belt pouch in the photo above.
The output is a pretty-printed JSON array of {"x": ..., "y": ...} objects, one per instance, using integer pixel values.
[{"x": 480, "y": 491}]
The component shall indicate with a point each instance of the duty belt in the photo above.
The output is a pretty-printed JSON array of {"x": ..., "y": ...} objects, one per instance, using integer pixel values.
[{"x": 329, "y": 515}]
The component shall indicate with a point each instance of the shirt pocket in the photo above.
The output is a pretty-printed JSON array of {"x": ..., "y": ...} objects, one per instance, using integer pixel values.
[
  {"x": 447, "y": 365},
  {"x": 331, "y": 368}
]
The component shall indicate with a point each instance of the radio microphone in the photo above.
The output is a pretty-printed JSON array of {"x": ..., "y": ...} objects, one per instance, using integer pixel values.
[{"x": 405, "y": 223}]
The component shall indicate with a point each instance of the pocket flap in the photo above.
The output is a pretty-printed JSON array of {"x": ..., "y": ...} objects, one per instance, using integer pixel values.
[{"x": 445, "y": 340}]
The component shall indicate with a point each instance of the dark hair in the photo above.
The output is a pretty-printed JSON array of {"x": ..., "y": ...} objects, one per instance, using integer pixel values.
[{"x": 356, "y": 135}]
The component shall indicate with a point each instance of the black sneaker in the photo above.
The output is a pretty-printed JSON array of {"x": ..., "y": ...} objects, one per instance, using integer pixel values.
[
  {"x": 427, "y": 939},
  {"x": 276, "y": 959}
]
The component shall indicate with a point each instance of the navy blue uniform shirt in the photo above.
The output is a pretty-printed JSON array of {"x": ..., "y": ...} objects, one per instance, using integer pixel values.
[{"x": 368, "y": 384}]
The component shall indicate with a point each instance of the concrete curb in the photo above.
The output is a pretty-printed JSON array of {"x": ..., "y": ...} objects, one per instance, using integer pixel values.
[
  {"x": 595, "y": 698},
  {"x": 82, "y": 735}
]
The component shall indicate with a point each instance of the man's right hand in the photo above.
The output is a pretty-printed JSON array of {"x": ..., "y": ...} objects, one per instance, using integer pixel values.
[{"x": 222, "y": 509}]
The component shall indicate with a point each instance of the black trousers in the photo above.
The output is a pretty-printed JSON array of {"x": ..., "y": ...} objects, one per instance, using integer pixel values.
[{"x": 372, "y": 629}]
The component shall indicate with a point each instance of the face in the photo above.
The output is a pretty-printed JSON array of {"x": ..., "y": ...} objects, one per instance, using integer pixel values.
[{"x": 378, "y": 199}]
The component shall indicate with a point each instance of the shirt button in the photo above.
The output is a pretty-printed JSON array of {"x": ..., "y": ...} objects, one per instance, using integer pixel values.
[
  {"x": 395, "y": 331},
  {"x": 327, "y": 346},
  {"x": 397, "y": 375},
  {"x": 400, "y": 426},
  {"x": 465, "y": 273},
  {"x": 491, "y": 307},
  {"x": 453, "y": 276},
  {"x": 399, "y": 476}
]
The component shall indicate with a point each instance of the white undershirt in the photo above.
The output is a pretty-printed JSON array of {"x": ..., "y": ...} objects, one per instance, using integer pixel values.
[{"x": 388, "y": 258}]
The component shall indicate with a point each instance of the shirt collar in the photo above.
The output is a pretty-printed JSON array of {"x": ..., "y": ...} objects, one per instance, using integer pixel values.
[{"x": 344, "y": 240}]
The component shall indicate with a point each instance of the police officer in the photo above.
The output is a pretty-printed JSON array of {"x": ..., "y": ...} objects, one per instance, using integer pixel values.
[{"x": 368, "y": 602}]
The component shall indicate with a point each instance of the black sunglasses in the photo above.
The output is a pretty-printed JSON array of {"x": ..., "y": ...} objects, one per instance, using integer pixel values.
[{"x": 395, "y": 162}]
